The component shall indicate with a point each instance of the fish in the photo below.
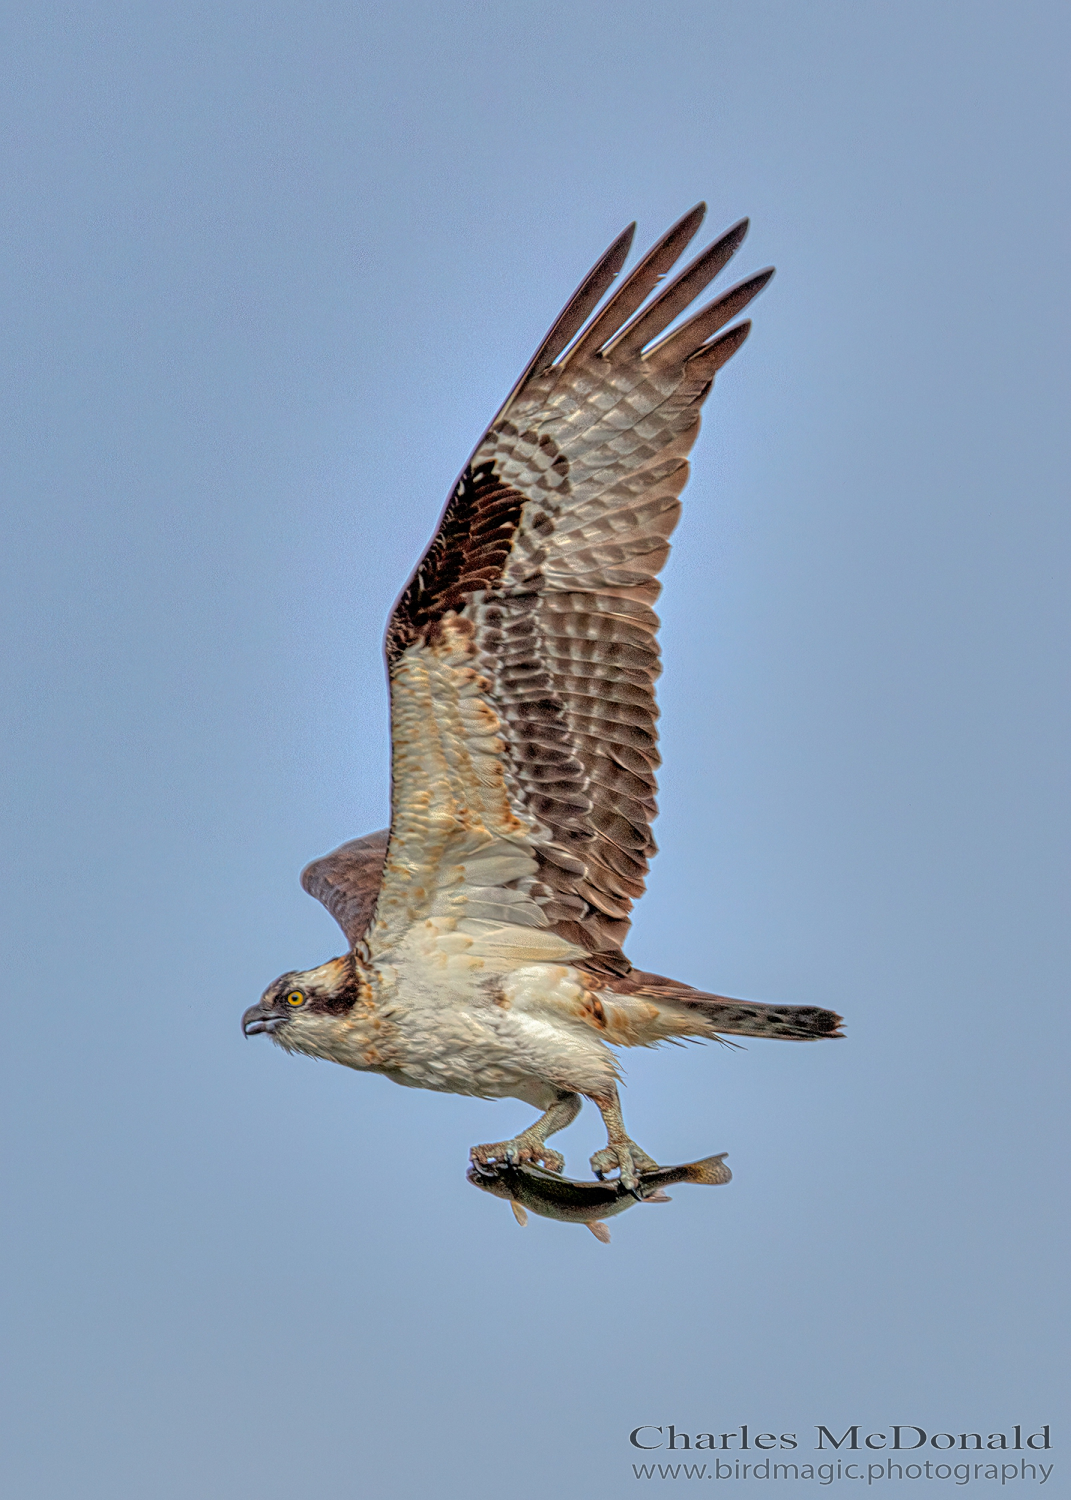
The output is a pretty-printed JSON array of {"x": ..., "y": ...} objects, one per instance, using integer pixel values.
[{"x": 589, "y": 1203}]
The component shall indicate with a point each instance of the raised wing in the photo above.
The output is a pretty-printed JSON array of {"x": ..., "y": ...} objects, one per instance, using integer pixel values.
[
  {"x": 347, "y": 881},
  {"x": 522, "y": 654}
]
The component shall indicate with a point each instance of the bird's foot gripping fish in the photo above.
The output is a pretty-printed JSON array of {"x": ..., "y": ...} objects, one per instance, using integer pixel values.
[{"x": 590, "y": 1203}]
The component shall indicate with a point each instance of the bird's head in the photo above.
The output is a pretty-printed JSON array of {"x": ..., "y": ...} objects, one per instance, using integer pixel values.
[{"x": 300, "y": 1010}]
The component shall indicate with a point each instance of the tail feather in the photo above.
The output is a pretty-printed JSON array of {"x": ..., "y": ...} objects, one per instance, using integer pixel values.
[
  {"x": 794, "y": 1023},
  {"x": 721, "y": 1014}
]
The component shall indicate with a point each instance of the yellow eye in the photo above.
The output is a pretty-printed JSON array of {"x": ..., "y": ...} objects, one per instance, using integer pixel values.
[{"x": 295, "y": 997}]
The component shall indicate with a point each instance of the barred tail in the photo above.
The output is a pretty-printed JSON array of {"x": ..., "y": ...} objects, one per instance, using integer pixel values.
[{"x": 796, "y": 1023}]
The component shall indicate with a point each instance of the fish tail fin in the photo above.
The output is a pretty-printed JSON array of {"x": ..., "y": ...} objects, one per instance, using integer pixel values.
[{"x": 711, "y": 1171}]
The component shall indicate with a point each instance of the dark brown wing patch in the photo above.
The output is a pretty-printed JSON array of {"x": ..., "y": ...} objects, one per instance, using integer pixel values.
[
  {"x": 347, "y": 882},
  {"x": 467, "y": 555}
]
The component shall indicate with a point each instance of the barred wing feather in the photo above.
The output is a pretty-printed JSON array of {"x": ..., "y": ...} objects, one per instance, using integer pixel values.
[{"x": 523, "y": 654}]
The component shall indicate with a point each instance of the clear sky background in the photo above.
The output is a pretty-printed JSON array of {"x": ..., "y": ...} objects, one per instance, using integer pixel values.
[{"x": 270, "y": 269}]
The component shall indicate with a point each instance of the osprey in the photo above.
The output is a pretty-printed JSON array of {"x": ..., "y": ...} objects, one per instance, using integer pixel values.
[{"x": 486, "y": 925}]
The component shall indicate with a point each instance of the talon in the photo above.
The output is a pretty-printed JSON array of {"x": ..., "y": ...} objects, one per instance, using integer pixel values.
[
  {"x": 517, "y": 1152},
  {"x": 630, "y": 1161}
]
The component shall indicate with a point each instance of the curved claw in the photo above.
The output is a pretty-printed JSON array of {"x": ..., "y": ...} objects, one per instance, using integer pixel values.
[
  {"x": 521, "y": 1150},
  {"x": 628, "y": 1158}
]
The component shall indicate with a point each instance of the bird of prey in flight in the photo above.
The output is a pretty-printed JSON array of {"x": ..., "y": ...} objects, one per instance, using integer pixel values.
[{"x": 486, "y": 926}]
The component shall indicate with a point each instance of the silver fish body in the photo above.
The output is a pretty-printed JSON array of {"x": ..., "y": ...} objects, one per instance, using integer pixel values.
[{"x": 554, "y": 1197}]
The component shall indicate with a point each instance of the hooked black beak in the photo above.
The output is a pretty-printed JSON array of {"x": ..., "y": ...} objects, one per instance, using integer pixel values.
[{"x": 258, "y": 1019}]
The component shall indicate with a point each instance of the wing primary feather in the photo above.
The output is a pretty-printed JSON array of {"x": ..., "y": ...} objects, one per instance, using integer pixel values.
[
  {"x": 709, "y": 359},
  {"x": 690, "y": 336},
  {"x": 576, "y": 312},
  {"x": 638, "y": 285},
  {"x": 682, "y": 290}
]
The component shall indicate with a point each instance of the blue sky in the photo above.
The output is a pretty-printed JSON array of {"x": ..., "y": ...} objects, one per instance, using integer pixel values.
[{"x": 270, "y": 269}]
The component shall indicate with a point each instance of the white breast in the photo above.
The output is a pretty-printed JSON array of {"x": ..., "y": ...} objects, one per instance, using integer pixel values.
[{"x": 491, "y": 1029}]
